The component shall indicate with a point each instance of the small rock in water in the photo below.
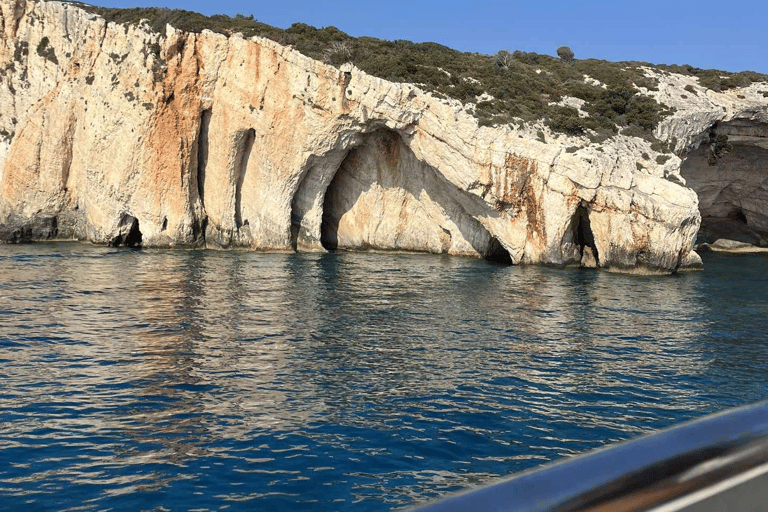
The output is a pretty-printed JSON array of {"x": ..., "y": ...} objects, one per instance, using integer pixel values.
[{"x": 725, "y": 244}]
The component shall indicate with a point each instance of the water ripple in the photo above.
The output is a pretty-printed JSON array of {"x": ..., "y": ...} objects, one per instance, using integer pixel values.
[{"x": 189, "y": 380}]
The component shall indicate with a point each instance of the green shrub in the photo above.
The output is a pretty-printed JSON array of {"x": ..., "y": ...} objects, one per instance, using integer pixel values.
[
  {"x": 524, "y": 85},
  {"x": 691, "y": 89},
  {"x": 664, "y": 147},
  {"x": 21, "y": 50},
  {"x": 578, "y": 89},
  {"x": 662, "y": 159},
  {"x": 720, "y": 145},
  {"x": 645, "y": 112},
  {"x": 720, "y": 81},
  {"x": 565, "y": 53},
  {"x": 650, "y": 83},
  {"x": 612, "y": 102},
  {"x": 713, "y": 79},
  {"x": 484, "y": 121},
  {"x": 567, "y": 120}
]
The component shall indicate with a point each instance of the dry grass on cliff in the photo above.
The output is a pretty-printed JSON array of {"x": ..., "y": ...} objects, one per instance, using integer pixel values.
[{"x": 505, "y": 88}]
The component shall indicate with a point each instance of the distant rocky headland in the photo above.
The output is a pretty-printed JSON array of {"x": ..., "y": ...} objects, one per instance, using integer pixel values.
[{"x": 160, "y": 128}]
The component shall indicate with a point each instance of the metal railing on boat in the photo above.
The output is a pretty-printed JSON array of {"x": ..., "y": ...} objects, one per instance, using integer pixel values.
[{"x": 716, "y": 463}]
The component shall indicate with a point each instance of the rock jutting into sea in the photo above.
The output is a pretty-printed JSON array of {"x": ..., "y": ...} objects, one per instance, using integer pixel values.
[{"x": 115, "y": 134}]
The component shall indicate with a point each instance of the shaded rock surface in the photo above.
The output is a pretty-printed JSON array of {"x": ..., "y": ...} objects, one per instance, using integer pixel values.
[
  {"x": 730, "y": 177},
  {"x": 732, "y": 186},
  {"x": 125, "y": 136},
  {"x": 715, "y": 228}
]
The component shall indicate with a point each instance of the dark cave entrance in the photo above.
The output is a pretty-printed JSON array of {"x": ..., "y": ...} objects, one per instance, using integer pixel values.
[
  {"x": 202, "y": 153},
  {"x": 737, "y": 214},
  {"x": 728, "y": 173},
  {"x": 380, "y": 164},
  {"x": 329, "y": 226},
  {"x": 128, "y": 233},
  {"x": 496, "y": 253},
  {"x": 584, "y": 238},
  {"x": 245, "y": 155}
]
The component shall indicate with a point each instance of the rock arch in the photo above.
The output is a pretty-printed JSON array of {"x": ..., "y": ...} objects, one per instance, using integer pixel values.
[
  {"x": 383, "y": 198},
  {"x": 308, "y": 201}
]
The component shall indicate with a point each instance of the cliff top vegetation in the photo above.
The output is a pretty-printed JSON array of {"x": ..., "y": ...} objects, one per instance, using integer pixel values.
[{"x": 508, "y": 87}]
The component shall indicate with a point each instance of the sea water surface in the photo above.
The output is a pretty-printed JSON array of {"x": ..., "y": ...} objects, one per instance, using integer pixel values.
[{"x": 202, "y": 380}]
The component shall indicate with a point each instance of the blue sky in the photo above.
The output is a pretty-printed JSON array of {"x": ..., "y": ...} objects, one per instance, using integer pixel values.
[{"x": 709, "y": 34}]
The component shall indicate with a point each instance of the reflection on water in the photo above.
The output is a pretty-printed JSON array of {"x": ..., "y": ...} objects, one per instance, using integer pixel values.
[{"x": 200, "y": 380}]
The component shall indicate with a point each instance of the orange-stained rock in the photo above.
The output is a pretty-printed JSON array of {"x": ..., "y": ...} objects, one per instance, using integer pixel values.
[{"x": 225, "y": 141}]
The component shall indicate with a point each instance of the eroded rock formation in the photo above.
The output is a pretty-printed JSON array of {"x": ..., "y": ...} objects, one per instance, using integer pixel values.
[
  {"x": 383, "y": 197},
  {"x": 732, "y": 186},
  {"x": 723, "y": 142},
  {"x": 117, "y": 135}
]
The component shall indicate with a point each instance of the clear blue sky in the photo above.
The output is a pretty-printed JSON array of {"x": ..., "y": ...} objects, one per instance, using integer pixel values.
[{"x": 727, "y": 35}]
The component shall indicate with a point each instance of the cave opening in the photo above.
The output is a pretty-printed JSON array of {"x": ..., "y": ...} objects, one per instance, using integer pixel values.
[
  {"x": 245, "y": 154},
  {"x": 496, "y": 253},
  {"x": 737, "y": 214},
  {"x": 202, "y": 153},
  {"x": 133, "y": 239},
  {"x": 128, "y": 233},
  {"x": 329, "y": 226},
  {"x": 382, "y": 197},
  {"x": 198, "y": 229},
  {"x": 307, "y": 202},
  {"x": 584, "y": 238},
  {"x": 731, "y": 193}
]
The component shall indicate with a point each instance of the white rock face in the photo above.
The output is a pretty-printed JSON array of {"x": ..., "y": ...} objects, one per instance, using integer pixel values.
[
  {"x": 698, "y": 110},
  {"x": 383, "y": 198},
  {"x": 216, "y": 141}
]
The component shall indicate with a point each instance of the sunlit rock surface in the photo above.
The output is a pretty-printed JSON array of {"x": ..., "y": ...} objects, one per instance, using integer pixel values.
[{"x": 120, "y": 136}]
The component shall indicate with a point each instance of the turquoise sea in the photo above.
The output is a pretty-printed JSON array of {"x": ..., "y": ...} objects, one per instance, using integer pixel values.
[{"x": 205, "y": 380}]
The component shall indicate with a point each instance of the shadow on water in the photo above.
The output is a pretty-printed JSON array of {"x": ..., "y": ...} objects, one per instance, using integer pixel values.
[{"x": 343, "y": 381}]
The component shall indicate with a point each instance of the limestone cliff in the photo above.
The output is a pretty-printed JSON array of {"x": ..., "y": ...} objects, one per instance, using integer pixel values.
[
  {"x": 115, "y": 134},
  {"x": 730, "y": 175}
]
